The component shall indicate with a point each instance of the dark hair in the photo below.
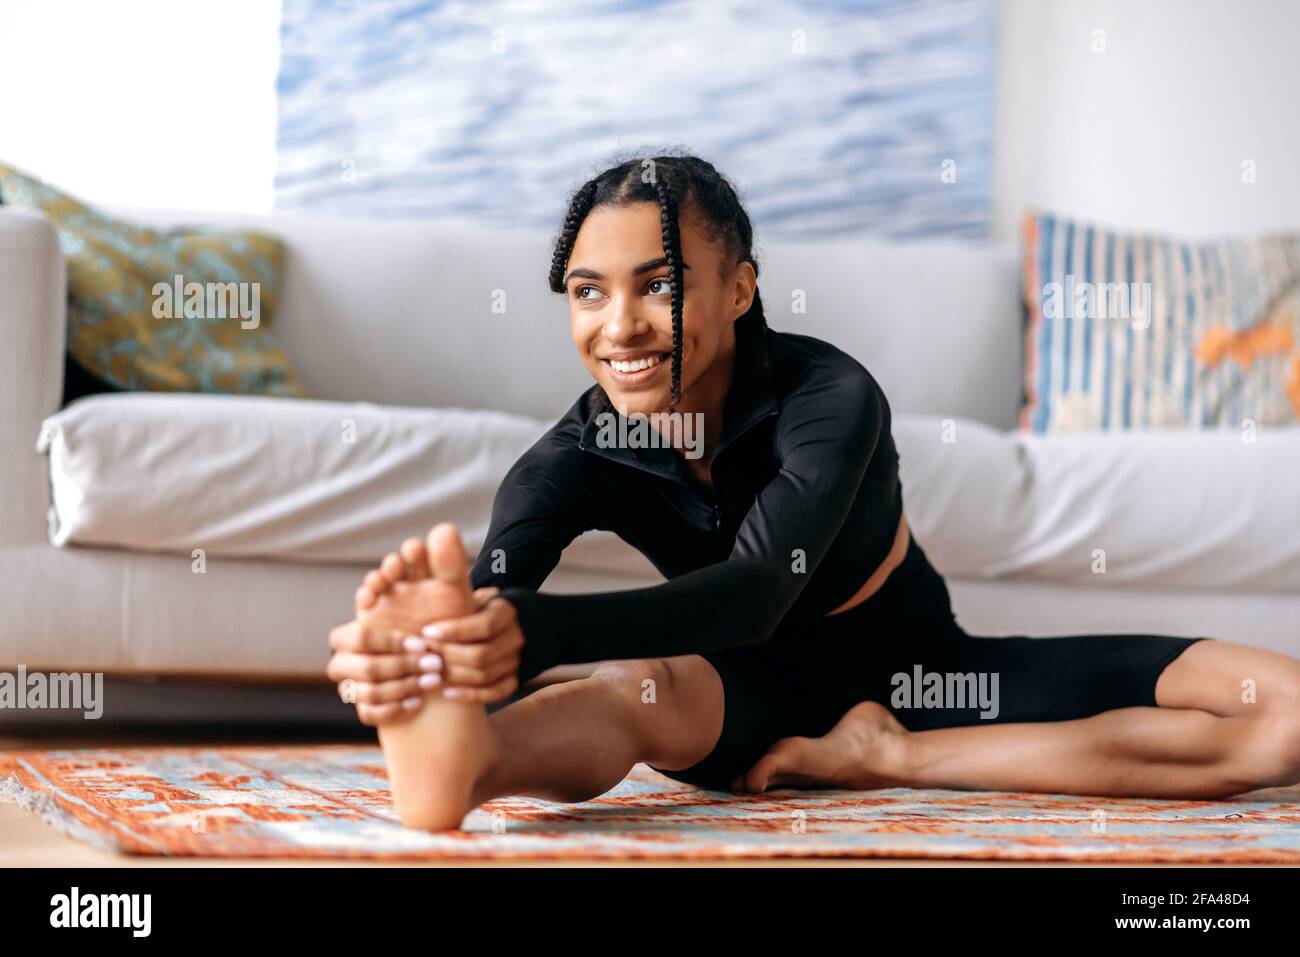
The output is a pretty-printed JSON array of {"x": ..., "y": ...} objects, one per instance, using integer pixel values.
[{"x": 676, "y": 183}]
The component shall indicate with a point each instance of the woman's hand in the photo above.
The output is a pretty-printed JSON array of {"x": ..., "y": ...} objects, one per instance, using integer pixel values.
[
  {"x": 377, "y": 672},
  {"x": 480, "y": 652}
]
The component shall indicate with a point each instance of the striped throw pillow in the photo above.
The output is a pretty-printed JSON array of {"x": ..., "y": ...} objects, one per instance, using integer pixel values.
[{"x": 1134, "y": 332}]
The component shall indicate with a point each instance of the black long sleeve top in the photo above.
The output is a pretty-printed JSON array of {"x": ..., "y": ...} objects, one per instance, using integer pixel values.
[{"x": 804, "y": 505}]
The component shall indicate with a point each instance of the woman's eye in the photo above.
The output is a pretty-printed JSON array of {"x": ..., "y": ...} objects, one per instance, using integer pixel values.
[
  {"x": 665, "y": 286},
  {"x": 579, "y": 291}
]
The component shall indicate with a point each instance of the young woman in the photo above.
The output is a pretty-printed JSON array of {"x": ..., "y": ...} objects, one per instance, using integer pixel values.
[{"x": 794, "y": 594}]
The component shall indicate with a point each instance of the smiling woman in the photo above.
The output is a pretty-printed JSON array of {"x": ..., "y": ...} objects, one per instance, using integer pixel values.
[
  {"x": 625, "y": 324},
  {"x": 795, "y": 594}
]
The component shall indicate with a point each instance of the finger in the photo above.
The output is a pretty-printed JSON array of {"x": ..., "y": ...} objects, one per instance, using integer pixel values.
[
  {"x": 480, "y": 655},
  {"x": 496, "y": 617},
  {"x": 364, "y": 598},
  {"x": 385, "y": 692},
  {"x": 498, "y": 692},
  {"x": 461, "y": 676},
  {"x": 355, "y": 636},
  {"x": 376, "y": 582},
  {"x": 484, "y": 595},
  {"x": 346, "y": 665},
  {"x": 377, "y": 714}
]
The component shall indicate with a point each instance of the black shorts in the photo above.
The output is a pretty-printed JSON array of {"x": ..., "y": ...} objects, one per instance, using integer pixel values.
[{"x": 802, "y": 682}]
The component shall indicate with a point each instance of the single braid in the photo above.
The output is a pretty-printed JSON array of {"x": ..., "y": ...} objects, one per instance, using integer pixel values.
[
  {"x": 578, "y": 210},
  {"x": 672, "y": 243}
]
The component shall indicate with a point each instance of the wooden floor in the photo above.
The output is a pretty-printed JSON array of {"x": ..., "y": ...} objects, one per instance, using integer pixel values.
[{"x": 26, "y": 841}]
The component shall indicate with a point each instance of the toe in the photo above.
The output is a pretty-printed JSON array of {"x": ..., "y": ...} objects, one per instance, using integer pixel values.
[
  {"x": 784, "y": 764},
  {"x": 392, "y": 567},
  {"x": 416, "y": 558},
  {"x": 376, "y": 582},
  {"x": 364, "y": 598},
  {"x": 756, "y": 780},
  {"x": 447, "y": 557}
]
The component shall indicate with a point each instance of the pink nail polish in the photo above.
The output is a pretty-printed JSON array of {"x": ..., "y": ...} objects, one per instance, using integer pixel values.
[
  {"x": 432, "y": 631},
  {"x": 412, "y": 643},
  {"x": 431, "y": 680},
  {"x": 431, "y": 663},
  {"x": 453, "y": 693},
  {"x": 410, "y": 704}
]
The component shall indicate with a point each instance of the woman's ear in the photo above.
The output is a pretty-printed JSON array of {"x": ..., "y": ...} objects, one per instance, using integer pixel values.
[{"x": 746, "y": 284}]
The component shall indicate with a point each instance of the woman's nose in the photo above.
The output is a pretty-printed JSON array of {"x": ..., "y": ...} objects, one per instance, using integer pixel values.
[{"x": 624, "y": 324}]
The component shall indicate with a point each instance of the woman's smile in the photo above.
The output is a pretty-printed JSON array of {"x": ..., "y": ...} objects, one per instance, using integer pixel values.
[{"x": 634, "y": 368}]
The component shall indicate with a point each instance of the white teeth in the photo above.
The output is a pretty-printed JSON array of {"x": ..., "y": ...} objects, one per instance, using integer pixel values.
[{"x": 636, "y": 365}]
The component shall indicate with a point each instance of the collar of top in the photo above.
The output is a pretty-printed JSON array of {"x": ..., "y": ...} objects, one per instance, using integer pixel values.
[{"x": 749, "y": 401}]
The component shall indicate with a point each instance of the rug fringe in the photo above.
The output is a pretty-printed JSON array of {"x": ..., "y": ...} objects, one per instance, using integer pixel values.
[{"x": 45, "y": 807}]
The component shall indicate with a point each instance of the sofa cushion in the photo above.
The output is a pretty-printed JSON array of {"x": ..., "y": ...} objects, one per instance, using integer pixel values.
[
  {"x": 285, "y": 479},
  {"x": 1165, "y": 508},
  {"x": 185, "y": 309},
  {"x": 1130, "y": 332},
  {"x": 344, "y": 482}
]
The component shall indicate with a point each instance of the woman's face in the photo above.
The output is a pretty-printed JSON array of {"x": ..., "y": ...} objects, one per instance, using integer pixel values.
[{"x": 620, "y": 309}]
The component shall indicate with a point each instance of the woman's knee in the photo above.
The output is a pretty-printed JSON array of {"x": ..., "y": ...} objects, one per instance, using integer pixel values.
[
  {"x": 1270, "y": 755},
  {"x": 673, "y": 705}
]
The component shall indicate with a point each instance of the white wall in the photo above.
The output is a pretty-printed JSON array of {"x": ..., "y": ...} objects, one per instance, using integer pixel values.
[
  {"x": 163, "y": 103},
  {"x": 1152, "y": 132}
]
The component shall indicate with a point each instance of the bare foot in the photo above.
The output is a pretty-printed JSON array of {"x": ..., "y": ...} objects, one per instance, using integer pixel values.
[
  {"x": 862, "y": 752},
  {"x": 436, "y": 753}
]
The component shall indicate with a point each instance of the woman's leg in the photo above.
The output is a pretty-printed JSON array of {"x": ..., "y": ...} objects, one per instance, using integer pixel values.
[
  {"x": 1228, "y": 721},
  {"x": 576, "y": 740},
  {"x": 568, "y": 742}
]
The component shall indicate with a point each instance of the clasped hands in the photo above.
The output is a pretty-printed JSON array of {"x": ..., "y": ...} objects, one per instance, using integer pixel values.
[{"x": 407, "y": 641}]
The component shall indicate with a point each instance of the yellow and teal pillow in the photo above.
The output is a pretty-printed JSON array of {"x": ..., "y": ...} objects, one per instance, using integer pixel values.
[
  {"x": 1130, "y": 331},
  {"x": 168, "y": 310}
]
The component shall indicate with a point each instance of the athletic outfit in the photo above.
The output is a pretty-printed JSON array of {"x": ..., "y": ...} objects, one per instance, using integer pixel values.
[{"x": 804, "y": 506}]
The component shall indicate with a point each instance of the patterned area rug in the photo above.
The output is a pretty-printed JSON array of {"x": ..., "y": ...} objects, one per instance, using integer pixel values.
[{"x": 333, "y": 802}]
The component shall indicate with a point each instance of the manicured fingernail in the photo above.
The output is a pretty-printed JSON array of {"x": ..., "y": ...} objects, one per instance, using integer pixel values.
[
  {"x": 432, "y": 631},
  {"x": 410, "y": 704},
  {"x": 430, "y": 680},
  {"x": 453, "y": 693},
  {"x": 431, "y": 663},
  {"x": 412, "y": 643}
]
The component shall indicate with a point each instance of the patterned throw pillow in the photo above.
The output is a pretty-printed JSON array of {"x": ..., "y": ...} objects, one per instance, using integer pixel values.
[
  {"x": 1137, "y": 332},
  {"x": 169, "y": 310}
]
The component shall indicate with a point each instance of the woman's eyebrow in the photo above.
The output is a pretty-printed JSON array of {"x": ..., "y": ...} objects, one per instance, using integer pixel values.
[{"x": 582, "y": 272}]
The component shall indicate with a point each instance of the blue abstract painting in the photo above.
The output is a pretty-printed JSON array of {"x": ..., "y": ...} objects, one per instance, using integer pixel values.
[{"x": 833, "y": 119}]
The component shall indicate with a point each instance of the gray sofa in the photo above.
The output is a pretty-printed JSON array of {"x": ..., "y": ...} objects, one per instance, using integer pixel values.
[{"x": 409, "y": 315}]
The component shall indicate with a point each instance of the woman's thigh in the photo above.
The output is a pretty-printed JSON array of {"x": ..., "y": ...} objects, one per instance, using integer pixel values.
[
  {"x": 768, "y": 693},
  {"x": 1230, "y": 680}
]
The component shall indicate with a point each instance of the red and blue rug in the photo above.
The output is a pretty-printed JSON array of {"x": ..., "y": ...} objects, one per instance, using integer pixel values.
[{"x": 319, "y": 802}]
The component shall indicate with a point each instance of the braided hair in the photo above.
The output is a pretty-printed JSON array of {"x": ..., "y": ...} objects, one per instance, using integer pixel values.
[{"x": 674, "y": 182}]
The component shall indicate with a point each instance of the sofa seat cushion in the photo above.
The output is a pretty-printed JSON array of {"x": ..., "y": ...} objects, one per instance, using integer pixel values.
[
  {"x": 1165, "y": 508},
  {"x": 257, "y": 477},
  {"x": 346, "y": 482}
]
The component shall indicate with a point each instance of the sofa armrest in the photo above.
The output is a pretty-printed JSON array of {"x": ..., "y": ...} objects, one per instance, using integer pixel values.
[{"x": 33, "y": 333}]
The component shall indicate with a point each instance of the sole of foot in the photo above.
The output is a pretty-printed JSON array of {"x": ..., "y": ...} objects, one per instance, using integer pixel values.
[{"x": 435, "y": 754}]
